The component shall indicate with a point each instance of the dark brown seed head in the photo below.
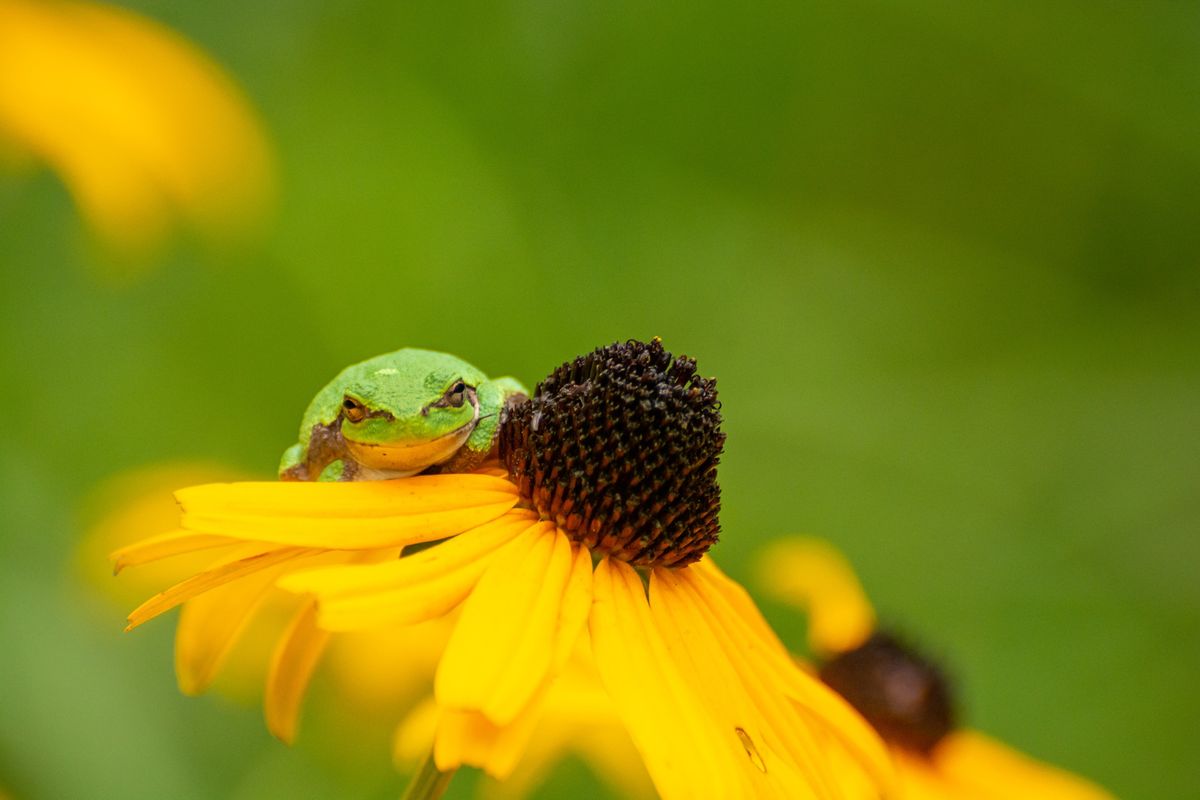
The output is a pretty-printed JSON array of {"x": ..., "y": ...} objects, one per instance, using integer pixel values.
[
  {"x": 620, "y": 449},
  {"x": 904, "y": 697}
]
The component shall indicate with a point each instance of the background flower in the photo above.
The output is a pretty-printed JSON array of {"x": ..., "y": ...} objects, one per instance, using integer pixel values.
[
  {"x": 942, "y": 258},
  {"x": 909, "y": 700},
  {"x": 146, "y": 131}
]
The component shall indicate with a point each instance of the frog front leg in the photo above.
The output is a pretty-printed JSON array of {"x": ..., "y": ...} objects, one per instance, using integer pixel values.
[
  {"x": 325, "y": 449},
  {"x": 340, "y": 470},
  {"x": 492, "y": 395}
]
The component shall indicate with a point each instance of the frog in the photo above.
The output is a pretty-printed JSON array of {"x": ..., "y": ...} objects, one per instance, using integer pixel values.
[{"x": 400, "y": 414}]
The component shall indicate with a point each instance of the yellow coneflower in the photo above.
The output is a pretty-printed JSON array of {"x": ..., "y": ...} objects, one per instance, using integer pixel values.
[
  {"x": 145, "y": 130},
  {"x": 905, "y": 697},
  {"x": 602, "y": 527}
]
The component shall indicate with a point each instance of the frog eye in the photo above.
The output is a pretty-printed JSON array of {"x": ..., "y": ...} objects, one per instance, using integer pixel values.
[
  {"x": 456, "y": 394},
  {"x": 353, "y": 410}
]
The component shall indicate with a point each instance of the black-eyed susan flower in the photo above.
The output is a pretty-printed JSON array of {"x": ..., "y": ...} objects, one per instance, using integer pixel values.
[
  {"x": 146, "y": 131},
  {"x": 904, "y": 696},
  {"x": 598, "y": 527}
]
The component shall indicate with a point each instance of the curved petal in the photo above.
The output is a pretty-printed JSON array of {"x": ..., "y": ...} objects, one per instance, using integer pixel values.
[
  {"x": 210, "y": 579},
  {"x": 210, "y": 624},
  {"x": 342, "y": 582},
  {"x": 414, "y": 735},
  {"x": 773, "y": 732},
  {"x": 292, "y": 665},
  {"x": 729, "y": 603},
  {"x": 517, "y": 627},
  {"x": 164, "y": 545},
  {"x": 985, "y": 767},
  {"x": 347, "y": 516},
  {"x": 410, "y": 589},
  {"x": 352, "y": 499},
  {"x": 468, "y": 737},
  {"x": 686, "y": 755},
  {"x": 813, "y": 576}
]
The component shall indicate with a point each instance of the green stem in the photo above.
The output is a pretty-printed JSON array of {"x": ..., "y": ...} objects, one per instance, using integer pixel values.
[{"x": 429, "y": 783}]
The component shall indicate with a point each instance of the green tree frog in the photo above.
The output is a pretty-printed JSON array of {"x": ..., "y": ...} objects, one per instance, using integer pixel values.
[{"x": 399, "y": 414}]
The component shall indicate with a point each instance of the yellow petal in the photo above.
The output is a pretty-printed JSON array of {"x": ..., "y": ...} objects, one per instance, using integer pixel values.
[
  {"x": 292, "y": 665},
  {"x": 739, "y": 600},
  {"x": 512, "y": 629},
  {"x": 729, "y": 605},
  {"x": 779, "y": 744},
  {"x": 576, "y": 605},
  {"x": 415, "y": 733},
  {"x": 813, "y": 576},
  {"x": 989, "y": 769},
  {"x": 918, "y": 779},
  {"x": 411, "y": 589},
  {"x": 685, "y": 755},
  {"x": 211, "y": 623},
  {"x": 494, "y": 470},
  {"x": 418, "y": 494},
  {"x": 218, "y": 576},
  {"x": 332, "y": 583},
  {"x": 164, "y": 545},
  {"x": 362, "y": 515},
  {"x": 468, "y": 737}
]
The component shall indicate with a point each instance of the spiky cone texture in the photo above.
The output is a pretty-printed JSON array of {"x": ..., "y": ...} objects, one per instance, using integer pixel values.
[
  {"x": 902, "y": 694},
  {"x": 711, "y": 699},
  {"x": 620, "y": 448}
]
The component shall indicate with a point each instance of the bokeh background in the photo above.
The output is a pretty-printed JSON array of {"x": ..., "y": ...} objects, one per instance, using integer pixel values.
[{"x": 943, "y": 259}]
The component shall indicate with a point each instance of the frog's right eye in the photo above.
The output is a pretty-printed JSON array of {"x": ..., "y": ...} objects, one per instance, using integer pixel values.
[{"x": 353, "y": 410}]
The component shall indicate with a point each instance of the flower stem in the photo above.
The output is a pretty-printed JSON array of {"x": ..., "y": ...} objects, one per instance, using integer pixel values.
[{"x": 429, "y": 783}]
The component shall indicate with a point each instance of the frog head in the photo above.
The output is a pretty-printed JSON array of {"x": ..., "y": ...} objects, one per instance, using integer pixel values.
[{"x": 407, "y": 411}]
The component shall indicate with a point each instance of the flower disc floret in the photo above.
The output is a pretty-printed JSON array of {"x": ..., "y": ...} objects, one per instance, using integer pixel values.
[{"x": 620, "y": 449}]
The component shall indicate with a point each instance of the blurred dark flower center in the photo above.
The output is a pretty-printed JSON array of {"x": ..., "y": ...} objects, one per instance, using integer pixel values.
[{"x": 906, "y": 698}]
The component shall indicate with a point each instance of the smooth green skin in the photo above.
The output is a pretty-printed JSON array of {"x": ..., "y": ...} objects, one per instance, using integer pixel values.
[{"x": 409, "y": 427}]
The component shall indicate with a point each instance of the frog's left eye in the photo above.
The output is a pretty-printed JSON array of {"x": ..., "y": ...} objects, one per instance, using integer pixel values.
[
  {"x": 353, "y": 410},
  {"x": 456, "y": 394}
]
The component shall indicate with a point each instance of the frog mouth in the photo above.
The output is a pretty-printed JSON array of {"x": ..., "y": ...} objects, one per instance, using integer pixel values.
[{"x": 405, "y": 458}]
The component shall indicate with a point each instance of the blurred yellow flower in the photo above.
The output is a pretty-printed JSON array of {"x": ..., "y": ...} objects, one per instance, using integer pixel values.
[
  {"x": 146, "y": 131},
  {"x": 903, "y": 696}
]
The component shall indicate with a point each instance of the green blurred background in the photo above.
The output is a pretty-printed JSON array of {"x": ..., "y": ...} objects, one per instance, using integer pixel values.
[{"x": 942, "y": 257}]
